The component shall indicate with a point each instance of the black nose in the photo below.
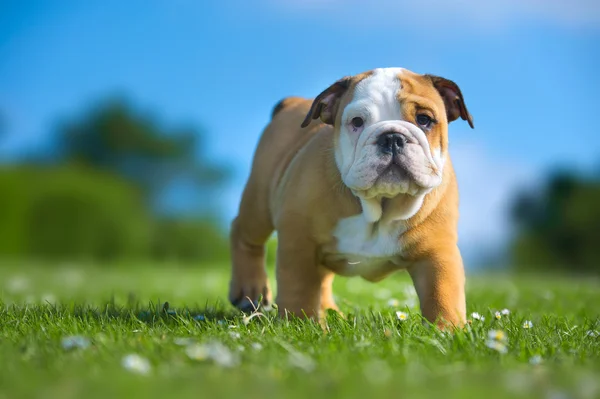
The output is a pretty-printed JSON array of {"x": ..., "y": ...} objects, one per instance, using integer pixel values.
[{"x": 391, "y": 143}]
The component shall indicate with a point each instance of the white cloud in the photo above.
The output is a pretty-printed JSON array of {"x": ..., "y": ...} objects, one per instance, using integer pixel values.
[{"x": 456, "y": 14}]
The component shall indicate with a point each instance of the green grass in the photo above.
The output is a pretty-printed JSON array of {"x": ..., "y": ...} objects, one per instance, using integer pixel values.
[{"x": 369, "y": 354}]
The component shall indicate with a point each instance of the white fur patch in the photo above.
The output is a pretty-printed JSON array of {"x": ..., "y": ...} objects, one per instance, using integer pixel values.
[
  {"x": 375, "y": 99},
  {"x": 367, "y": 248},
  {"x": 438, "y": 158}
]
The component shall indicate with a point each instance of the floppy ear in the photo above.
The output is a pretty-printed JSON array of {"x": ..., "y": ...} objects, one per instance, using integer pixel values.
[
  {"x": 325, "y": 106},
  {"x": 453, "y": 99}
]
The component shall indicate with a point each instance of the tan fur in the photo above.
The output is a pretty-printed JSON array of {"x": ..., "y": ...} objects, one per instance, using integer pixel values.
[{"x": 295, "y": 188}]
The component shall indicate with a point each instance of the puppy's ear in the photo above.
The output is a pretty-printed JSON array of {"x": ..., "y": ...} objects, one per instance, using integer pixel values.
[
  {"x": 453, "y": 99},
  {"x": 327, "y": 103}
]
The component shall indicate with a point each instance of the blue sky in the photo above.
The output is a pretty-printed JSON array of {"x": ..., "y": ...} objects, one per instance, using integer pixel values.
[{"x": 529, "y": 70}]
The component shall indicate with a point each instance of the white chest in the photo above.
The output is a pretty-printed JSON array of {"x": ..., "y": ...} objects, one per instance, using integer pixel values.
[{"x": 366, "y": 249}]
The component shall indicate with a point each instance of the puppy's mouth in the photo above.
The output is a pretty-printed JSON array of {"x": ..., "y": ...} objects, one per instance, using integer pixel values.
[
  {"x": 395, "y": 175},
  {"x": 394, "y": 178}
]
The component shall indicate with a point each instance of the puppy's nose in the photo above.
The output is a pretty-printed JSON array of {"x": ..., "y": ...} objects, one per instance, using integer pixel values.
[{"x": 391, "y": 143}]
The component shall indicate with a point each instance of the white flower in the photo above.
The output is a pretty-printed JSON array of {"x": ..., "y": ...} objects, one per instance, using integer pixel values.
[
  {"x": 497, "y": 335},
  {"x": 75, "y": 342},
  {"x": 496, "y": 345},
  {"x": 497, "y": 341},
  {"x": 592, "y": 333},
  {"x": 477, "y": 316},
  {"x": 222, "y": 356},
  {"x": 401, "y": 316},
  {"x": 393, "y": 303},
  {"x": 257, "y": 346},
  {"x": 535, "y": 360},
  {"x": 498, "y": 315},
  {"x": 136, "y": 364},
  {"x": 215, "y": 351},
  {"x": 197, "y": 352},
  {"x": 18, "y": 284},
  {"x": 234, "y": 335},
  {"x": 505, "y": 312},
  {"x": 527, "y": 324}
]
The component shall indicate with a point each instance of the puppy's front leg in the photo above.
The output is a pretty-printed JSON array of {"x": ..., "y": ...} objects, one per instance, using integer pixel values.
[
  {"x": 299, "y": 277},
  {"x": 440, "y": 284}
]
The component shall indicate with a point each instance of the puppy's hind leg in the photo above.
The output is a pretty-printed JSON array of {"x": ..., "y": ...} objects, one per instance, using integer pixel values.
[{"x": 249, "y": 232}]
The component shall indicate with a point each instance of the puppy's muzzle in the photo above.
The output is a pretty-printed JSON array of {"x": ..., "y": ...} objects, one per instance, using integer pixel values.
[{"x": 391, "y": 143}]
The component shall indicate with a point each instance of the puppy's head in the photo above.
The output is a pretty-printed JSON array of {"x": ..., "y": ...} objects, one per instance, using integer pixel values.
[{"x": 391, "y": 133}]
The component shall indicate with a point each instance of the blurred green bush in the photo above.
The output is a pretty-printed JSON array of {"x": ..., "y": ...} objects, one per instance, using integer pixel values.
[
  {"x": 189, "y": 240},
  {"x": 64, "y": 213},
  {"x": 67, "y": 213},
  {"x": 558, "y": 227},
  {"x": 94, "y": 194}
]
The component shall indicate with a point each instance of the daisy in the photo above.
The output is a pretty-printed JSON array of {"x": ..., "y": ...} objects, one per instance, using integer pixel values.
[
  {"x": 477, "y": 316},
  {"x": 497, "y": 335},
  {"x": 136, "y": 364},
  {"x": 497, "y": 341},
  {"x": 498, "y": 346},
  {"x": 75, "y": 342},
  {"x": 257, "y": 346},
  {"x": 535, "y": 360},
  {"x": 215, "y": 351},
  {"x": 393, "y": 303},
  {"x": 505, "y": 312},
  {"x": 197, "y": 352},
  {"x": 527, "y": 324},
  {"x": 401, "y": 316}
]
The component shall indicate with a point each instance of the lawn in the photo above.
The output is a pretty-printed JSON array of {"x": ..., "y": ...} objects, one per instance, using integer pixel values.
[{"x": 72, "y": 332}]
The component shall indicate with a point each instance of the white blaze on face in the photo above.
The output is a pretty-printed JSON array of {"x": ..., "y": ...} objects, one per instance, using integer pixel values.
[
  {"x": 375, "y": 99},
  {"x": 363, "y": 167}
]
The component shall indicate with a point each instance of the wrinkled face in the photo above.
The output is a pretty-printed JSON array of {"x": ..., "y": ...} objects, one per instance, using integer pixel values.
[
  {"x": 391, "y": 138},
  {"x": 391, "y": 134}
]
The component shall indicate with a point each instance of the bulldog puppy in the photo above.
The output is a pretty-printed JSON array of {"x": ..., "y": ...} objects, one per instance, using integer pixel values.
[{"x": 358, "y": 182}]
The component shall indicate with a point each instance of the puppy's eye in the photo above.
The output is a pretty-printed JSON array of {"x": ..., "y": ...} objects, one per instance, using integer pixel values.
[
  {"x": 424, "y": 120},
  {"x": 357, "y": 122}
]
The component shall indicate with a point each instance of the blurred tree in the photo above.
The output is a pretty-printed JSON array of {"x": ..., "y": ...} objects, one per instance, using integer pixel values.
[
  {"x": 558, "y": 227},
  {"x": 115, "y": 138},
  {"x": 94, "y": 194}
]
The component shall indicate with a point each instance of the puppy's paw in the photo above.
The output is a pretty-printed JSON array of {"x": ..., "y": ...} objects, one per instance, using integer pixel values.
[{"x": 249, "y": 295}]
